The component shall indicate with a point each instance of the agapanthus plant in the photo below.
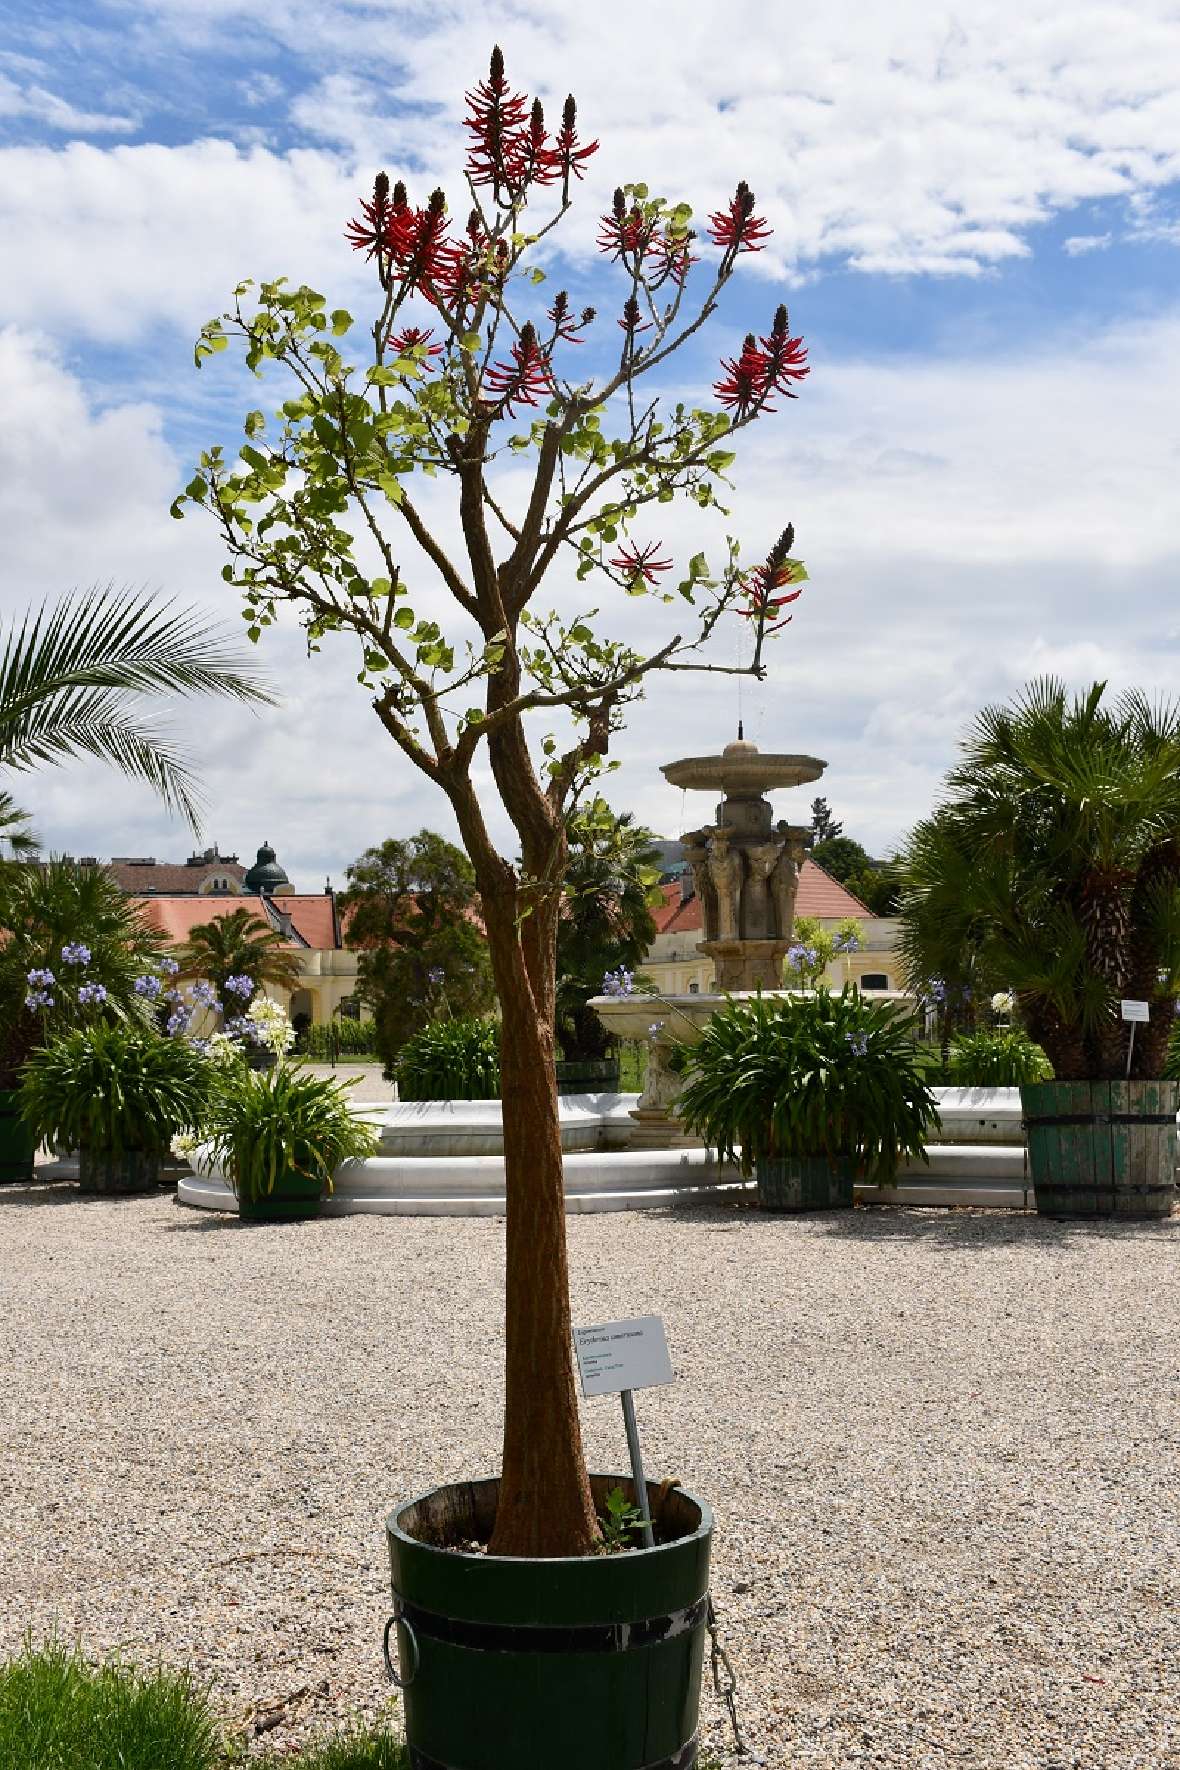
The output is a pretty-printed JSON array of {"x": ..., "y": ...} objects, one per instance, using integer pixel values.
[{"x": 466, "y": 373}]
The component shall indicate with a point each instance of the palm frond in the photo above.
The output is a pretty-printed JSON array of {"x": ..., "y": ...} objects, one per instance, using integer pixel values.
[{"x": 71, "y": 671}]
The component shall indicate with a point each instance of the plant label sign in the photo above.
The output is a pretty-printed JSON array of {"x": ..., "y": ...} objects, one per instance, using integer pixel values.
[
  {"x": 1135, "y": 1010},
  {"x": 620, "y": 1355}
]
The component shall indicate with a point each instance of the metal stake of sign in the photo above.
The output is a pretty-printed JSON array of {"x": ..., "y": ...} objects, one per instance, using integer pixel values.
[
  {"x": 637, "y": 1475},
  {"x": 1130, "y": 1049}
]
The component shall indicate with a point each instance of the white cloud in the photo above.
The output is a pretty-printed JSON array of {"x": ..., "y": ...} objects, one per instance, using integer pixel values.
[
  {"x": 37, "y": 105},
  {"x": 967, "y": 524},
  {"x": 1079, "y": 244},
  {"x": 903, "y": 140}
]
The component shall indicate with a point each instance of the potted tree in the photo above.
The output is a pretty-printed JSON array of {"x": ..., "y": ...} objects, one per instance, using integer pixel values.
[
  {"x": 278, "y": 1137},
  {"x": 1052, "y": 869},
  {"x": 466, "y": 372},
  {"x": 118, "y": 1094},
  {"x": 810, "y": 1094}
]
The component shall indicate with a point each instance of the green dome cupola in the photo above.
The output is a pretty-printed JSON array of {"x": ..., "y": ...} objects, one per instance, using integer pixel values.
[{"x": 266, "y": 876}]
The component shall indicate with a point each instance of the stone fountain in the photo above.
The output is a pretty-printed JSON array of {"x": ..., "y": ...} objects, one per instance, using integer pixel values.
[
  {"x": 745, "y": 869},
  {"x": 746, "y": 873}
]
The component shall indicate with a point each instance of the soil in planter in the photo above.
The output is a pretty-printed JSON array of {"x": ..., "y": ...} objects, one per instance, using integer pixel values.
[{"x": 612, "y": 1544}]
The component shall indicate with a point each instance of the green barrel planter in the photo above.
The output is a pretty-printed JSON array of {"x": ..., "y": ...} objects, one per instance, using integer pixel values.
[
  {"x": 18, "y": 1146},
  {"x": 590, "y": 1663},
  {"x": 594, "y": 1076},
  {"x": 133, "y": 1170},
  {"x": 294, "y": 1196},
  {"x": 1102, "y": 1149},
  {"x": 803, "y": 1183}
]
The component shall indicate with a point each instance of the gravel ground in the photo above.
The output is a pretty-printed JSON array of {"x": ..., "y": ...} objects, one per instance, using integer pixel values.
[{"x": 942, "y": 1448}]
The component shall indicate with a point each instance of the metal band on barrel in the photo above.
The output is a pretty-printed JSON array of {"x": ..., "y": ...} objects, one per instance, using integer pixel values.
[
  {"x": 1104, "y": 1118},
  {"x": 684, "y": 1759},
  {"x": 486, "y": 1637}
]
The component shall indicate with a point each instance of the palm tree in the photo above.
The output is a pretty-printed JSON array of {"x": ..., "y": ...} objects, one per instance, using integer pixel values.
[
  {"x": 71, "y": 673},
  {"x": 1053, "y": 868},
  {"x": 238, "y": 945},
  {"x": 17, "y": 841}
]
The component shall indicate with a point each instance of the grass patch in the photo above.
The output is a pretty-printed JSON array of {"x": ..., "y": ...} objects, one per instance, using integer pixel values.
[
  {"x": 58, "y": 1712},
  {"x": 366, "y": 1748}
]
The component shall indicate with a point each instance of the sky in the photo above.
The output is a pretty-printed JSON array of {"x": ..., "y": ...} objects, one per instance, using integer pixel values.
[{"x": 976, "y": 214}]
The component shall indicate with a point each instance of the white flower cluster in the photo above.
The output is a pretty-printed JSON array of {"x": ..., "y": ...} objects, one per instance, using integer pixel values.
[
  {"x": 274, "y": 1030},
  {"x": 1003, "y": 1002}
]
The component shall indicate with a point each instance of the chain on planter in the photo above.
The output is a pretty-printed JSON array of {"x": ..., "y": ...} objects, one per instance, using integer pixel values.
[{"x": 726, "y": 1685}]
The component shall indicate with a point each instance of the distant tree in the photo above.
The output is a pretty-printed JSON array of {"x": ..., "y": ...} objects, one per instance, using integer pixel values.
[
  {"x": 877, "y": 889},
  {"x": 841, "y": 857},
  {"x": 412, "y": 913},
  {"x": 238, "y": 945},
  {"x": 823, "y": 825},
  {"x": 606, "y": 920}
]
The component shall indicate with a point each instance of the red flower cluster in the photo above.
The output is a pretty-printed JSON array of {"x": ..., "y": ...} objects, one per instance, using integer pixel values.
[
  {"x": 629, "y": 234},
  {"x": 403, "y": 342},
  {"x": 737, "y": 228},
  {"x": 510, "y": 147},
  {"x": 758, "y": 589},
  {"x": 632, "y": 321},
  {"x": 564, "y": 324},
  {"x": 641, "y": 562},
  {"x": 624, "y": 232},
  {"x": 522, "y": 380},
  {"x": 765, "y": 366}
]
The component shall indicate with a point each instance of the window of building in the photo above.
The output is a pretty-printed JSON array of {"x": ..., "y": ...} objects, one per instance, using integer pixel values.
[
  {"x": 350, "y": 1008},
  {"x": 694, "y": 989},
  {"x": 874, "y": 980}
]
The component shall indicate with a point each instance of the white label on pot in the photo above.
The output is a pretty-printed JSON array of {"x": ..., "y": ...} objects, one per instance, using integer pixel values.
[
  {"x": 620, "y": 1355},
  {"x": 1135, "y": 1010}
]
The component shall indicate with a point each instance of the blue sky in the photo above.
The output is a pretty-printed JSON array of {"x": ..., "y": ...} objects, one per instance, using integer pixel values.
[{"x": 977, "y": 226}]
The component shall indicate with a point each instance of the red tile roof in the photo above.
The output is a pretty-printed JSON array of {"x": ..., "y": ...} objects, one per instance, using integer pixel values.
[
  {"x": 176, "y": 917},
  {"x": 819, "y": 895}
]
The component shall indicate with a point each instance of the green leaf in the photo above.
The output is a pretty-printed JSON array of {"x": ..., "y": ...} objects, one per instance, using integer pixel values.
[
  {"x": 470, "y": 342},
  {"x": 174, "y": 509},
  {"x": 255, "y": 423},
  {"x": 404, "y": 618},
  {"x": 341, "y": 321}
]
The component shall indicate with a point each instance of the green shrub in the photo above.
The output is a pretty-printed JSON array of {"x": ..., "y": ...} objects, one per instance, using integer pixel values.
[
  {"x": 451, "y": 1060},
  {"x": 827, "y": 1075},
  {"x": 58, "y": 1712},
  {"x": 113, "y": 1088},
  {"x": 340, "y": 1037},
  {"x": 1001, "y": 1059},
  {"x": 261, "y": 1125}
]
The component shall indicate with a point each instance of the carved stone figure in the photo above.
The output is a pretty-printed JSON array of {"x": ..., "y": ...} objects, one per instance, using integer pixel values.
[
  {"x": 725, "y": 867},
  {"x": 759, "y": 913},
  {"x": 784, "y": 885}
]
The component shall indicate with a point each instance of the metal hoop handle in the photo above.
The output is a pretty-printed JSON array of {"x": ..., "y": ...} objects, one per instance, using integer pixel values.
[{"x": 394, "y": 1675}]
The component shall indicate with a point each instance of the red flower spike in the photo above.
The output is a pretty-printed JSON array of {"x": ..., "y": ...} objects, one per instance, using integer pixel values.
[
  {"x": 528, "y": 375},
  {"x": 567, "y": 156},
  {"x": 404, "y": 342},
  {"x": 497, "y": 121},
  {"x": 368, "y": 232},
  {"x": 632, "y": 322},
  {"x": 641, "y": 562},
  {"x": 762, "y": 604},
  {"x": 564, "y": 324},
  {"x": 624, "y": 230},
  {"x": 786, "y": 357},
  {"x": 672, "y": 258},
  {"x": 744, "y": 387},
  {"x": 531, "y": 162},
  {"x": 737, "y": 228}
]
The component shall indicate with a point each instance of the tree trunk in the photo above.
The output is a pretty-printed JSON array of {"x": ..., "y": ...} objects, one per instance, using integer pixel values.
[{"x": 545, "y": 1504}]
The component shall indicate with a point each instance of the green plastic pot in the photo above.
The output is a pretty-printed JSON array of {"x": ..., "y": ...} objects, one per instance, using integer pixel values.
[
  {"x": 293, "y": 1196},
  {"x": 133, "y": 1170},
  {"x": 803, "y": 1183},
  {"x": 18, "y": 1146},
  {"x": 588, "y": 1663}
]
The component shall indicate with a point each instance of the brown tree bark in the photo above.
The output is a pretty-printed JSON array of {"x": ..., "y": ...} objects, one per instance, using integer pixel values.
[{"x": 545, "y": 1507}]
